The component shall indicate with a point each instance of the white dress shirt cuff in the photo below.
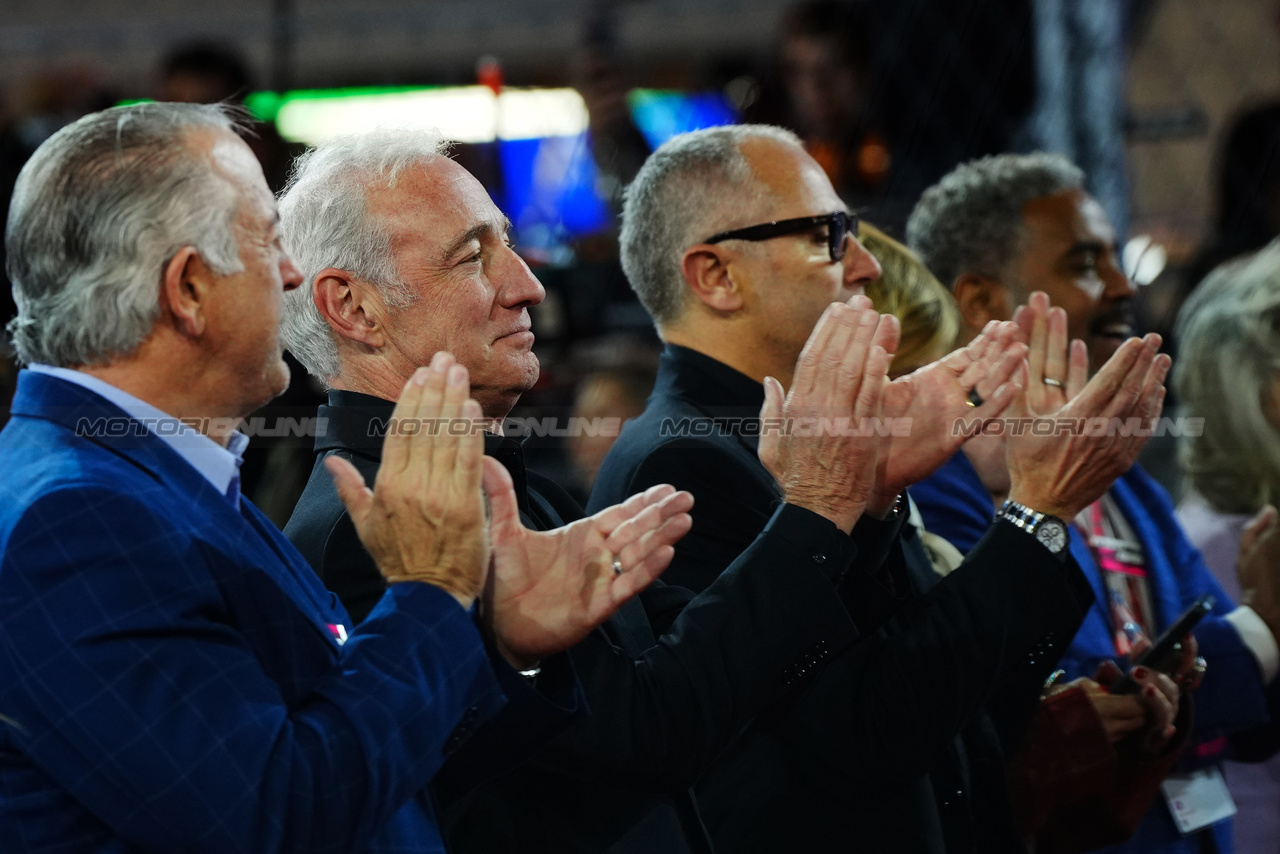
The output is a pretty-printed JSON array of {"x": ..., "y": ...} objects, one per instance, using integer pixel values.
[{"x": 1257, "y": 637}]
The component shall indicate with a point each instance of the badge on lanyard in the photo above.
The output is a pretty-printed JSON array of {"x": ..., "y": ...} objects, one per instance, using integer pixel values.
[{"x": 1198, "y": 799}]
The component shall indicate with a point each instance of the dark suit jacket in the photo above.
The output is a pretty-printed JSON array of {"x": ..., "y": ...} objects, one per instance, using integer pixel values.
[
  {"x": 868, "y": 760},
  {"x": 666, "y": 697},
  {"x": 170, "y": 672}
]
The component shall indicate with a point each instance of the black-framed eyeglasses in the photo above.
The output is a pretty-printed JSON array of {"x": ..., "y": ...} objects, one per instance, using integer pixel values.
[{"x": 839, "y": 226}]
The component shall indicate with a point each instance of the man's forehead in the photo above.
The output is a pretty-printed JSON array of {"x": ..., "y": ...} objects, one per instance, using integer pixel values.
[
  {"x": 439, "y": 198},
  {"x": 792, "y": 177}
]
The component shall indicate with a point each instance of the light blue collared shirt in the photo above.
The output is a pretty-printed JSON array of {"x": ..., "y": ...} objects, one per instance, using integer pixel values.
[{"x": 218, "y": 465}]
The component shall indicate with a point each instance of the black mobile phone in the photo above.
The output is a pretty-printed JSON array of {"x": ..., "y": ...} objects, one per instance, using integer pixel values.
[{"x": 1163, "y": 654}]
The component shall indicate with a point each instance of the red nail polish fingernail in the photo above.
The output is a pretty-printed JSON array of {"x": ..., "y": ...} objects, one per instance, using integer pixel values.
[{"x": 1139, "y": 673}]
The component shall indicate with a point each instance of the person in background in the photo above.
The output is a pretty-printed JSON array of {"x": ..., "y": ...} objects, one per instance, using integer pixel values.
[
  {"x": 205, "y": 72},
  {"x": 819, "y": 84},
  {"x": 1228, "y": 374},
  {"x": 907, "y": 290},
  {"x": 1079, "y": 779},
  {"x": 1004, "y": 231},
  {"x": 616, "y": 393},
  {"x": 1248, "y": 185}
]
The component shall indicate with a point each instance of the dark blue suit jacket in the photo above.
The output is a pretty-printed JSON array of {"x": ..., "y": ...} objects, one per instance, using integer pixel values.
[
  {"x": 956, "y": 506},
  {"x": 169, "y": 680}
]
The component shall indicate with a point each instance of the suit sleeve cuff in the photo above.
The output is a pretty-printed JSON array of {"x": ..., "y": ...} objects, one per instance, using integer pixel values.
[
  {"x": 874, "y": 538},
  {"x": 831, "y": 550},
  {"x": 1257, "y": 637}
]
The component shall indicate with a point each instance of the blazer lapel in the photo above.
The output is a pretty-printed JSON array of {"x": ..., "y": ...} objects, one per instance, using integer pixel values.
[{"x": 243, "y": 533}]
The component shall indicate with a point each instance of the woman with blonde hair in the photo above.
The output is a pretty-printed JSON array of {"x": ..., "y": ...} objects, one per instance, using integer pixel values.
[{"x": 907, "y": 290}]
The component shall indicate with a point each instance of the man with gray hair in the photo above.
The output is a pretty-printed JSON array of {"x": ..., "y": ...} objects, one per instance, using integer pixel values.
[
  {"x": 172, "y": 677},
  {"x": 735, "y": 241},
  {"x": 403, "y": 253},
  {"x": 1013, "y": 229}
]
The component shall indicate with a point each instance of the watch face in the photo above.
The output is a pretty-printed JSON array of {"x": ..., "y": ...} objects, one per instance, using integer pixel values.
[{"x": 1053, "y": 534}]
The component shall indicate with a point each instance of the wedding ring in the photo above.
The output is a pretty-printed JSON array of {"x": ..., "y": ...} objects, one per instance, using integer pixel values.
[
  {"x": 1053, "y": 382},
  {"x": 617, "y": 566},
  {"x": 974, "y": 398}
]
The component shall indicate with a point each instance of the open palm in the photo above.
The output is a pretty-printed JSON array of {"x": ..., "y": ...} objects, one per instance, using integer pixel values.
[
  {"x": 548, "y": 589},
  {"x": 936, "y": 397}
]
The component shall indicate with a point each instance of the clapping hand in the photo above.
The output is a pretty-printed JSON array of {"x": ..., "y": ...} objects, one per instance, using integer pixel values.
[
  {"x": 812, "y": 439},
  {"x": 1258, "y": 567},
  {"x": 548, "y": 590},
  {"x": 974, "y": 382},
  {"x": 1055, "y": 373},
  {"x": 1061, "y": 472}
]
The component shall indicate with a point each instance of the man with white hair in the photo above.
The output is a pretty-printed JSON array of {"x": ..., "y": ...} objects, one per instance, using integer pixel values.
[
  {"x": 734, "y": 239},
  {"x": 172, "y": 676},
  {"x": 1009, "y": 230},
  {"x": 403, "y": 253}
]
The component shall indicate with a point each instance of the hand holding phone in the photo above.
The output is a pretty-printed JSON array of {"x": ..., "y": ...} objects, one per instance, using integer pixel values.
[{"x": 1164, "y": 653}]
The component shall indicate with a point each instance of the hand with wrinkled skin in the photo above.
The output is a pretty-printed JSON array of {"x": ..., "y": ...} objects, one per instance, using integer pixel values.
[
  {"x": 935, "y": 397},
  {"x": 821, "y": 458},
  {"x": 1061, "y": 474},
  {"x": 548, "y": 589},
  {"x": 423, "y": 520},
  {"x": 1044, "y": 328}
]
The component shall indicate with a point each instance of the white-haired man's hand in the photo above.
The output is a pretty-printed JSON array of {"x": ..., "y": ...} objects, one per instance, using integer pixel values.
[{"x": 548, "y": 589}]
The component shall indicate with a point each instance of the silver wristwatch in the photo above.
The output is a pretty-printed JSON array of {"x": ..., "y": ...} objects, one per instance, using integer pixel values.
[{"x": 1050, "y": 531}]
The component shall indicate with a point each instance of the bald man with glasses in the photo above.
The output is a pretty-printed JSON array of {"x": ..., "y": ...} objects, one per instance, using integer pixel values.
[{"x": 736, "y": 243}]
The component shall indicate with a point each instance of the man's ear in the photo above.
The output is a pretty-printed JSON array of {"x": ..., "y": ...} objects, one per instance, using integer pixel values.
[
  {"x": 706, "y": 270},
  {"x": 185, "y": 288},
  {"x": 981, "y": 299},
  {"x": 350, "y": 306}
]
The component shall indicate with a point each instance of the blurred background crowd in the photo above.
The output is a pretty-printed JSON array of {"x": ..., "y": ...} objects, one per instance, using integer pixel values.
[{"x": 1171, "y": 107}]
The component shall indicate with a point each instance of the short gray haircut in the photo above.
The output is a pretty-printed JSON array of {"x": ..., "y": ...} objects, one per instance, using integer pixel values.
[
  {"x": 695, "y": 185},
  {"x": 972, "y": 220},
  {"x": 324, "y": 222},
  {"x": 1228, "y": 336},
  {"x": 97, "y": 213}
]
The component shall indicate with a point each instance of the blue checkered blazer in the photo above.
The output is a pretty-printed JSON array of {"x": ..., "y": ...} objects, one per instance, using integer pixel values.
[{"x": 169, "y": 680}]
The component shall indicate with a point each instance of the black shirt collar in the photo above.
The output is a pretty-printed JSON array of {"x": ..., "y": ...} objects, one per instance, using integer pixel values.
[{"x": 709, "y": 382}]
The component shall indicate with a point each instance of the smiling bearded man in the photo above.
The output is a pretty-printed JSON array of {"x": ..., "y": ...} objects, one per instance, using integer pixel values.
[{"x": 995, "y": 231}]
